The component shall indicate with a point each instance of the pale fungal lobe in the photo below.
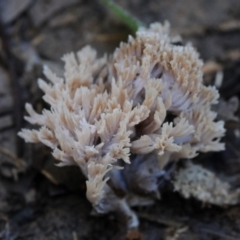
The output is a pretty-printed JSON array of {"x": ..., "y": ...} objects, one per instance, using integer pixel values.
[
  {"x": 123, "y": 118},
  {"x": 195, "y": 181}
]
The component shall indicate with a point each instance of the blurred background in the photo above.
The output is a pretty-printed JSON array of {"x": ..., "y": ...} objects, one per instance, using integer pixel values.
[{"x": 40, "y": 201}]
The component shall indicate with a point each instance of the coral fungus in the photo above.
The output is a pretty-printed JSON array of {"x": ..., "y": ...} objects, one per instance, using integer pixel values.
[{"x": 123, "y": 119}]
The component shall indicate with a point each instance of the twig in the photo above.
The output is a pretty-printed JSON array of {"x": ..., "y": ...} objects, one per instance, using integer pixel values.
[
  {"x": 179, "y": 225},
  {"x": 74, "y": 234},
  {"x": 219, "y": 234},
  {"x": 17, "y": 161},
  {"x": 50, "y": 177},
  {"x": 126, "y": 17},
  {"x": 160, "y": 220},
  {"x": 174, "y": 233}
]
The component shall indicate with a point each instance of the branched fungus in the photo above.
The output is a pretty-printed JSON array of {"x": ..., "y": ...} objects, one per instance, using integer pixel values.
[{"x": 123, "y": 119}]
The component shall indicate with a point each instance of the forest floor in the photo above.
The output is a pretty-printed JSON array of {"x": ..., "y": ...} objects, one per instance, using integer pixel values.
[{"x": 40, "y": 201}]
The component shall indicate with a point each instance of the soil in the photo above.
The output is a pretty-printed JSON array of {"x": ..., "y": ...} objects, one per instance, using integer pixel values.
[{"x": 40, "y": 201}]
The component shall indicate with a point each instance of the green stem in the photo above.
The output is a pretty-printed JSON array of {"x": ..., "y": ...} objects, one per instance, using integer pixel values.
[{"x": 127, "y": 18}]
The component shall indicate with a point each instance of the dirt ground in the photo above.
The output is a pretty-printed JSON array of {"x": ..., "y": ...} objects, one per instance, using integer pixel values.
[{"x": 40, "y": 201}]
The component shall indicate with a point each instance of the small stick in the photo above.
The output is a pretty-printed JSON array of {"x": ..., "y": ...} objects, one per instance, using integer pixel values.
[
  {"x": 219, "y": 234},
  {"x": 17, "y": 161},
  {"x": 160, "y": 221},
  {"x": 74, "y": 234}
]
